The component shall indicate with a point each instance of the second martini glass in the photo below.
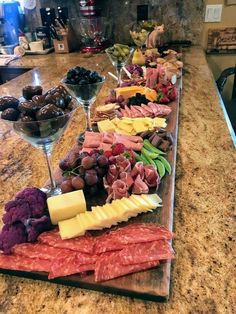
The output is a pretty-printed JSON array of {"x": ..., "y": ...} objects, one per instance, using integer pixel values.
[
  {"x": 119, "y": 62},
  {"x": 86, "y": 95}
]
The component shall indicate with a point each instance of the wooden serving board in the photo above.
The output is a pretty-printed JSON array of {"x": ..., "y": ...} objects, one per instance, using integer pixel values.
[{"x": 152, "y": 284}]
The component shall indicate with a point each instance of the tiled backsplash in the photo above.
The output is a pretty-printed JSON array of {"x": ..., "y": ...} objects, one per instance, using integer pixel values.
[{"x": 183, "y": 18}]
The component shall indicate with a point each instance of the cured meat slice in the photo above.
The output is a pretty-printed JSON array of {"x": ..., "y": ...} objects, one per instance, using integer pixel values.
[
  {"x": 133, "y": 138},
  {"x": 138, "y": 170},
  {"x": 131, "y": 145},
  {"x": 105, "y": 146},
  {"x": 39, "y": 250},
  {"x": 43, "y": 251},
  {"x": 135, "y": 112},
  {"x": 68, "y": 266},
  {"x": 164, "y": 110},
  {"x": 123, "y": 164},
  {"x": 108, "y": 138},
  {"x": 127, "y": 178},
  {"x": 83, "y": 244},
  {"x": 21, "y": 263},
  {"x": 120, "y": 189},
  {"x": 92, "y": 139},
  {"x": 153, "y": 107},
  {"x": 140, "y": 187},
  {"x": 146, "y": 252},
  {"x": 128, "y": 111},
  {"x": 109, "y": 266},
  {"x": 112, "y": 174},
  {"x": 135, "y": 233},
  {"x": 123, "y": 112},
  {"x": 152, "y": 178},
  {"x": 149, "y": 112},
  {"x": 140, "y": 109}
]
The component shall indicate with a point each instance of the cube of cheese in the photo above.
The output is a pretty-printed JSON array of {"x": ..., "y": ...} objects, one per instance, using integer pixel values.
[
  {"x": 66, "y": 206},
  {"x": 159, "y": 123},
  {"x": 70, "y": 228},
  {"x": 105, "y": 126}
]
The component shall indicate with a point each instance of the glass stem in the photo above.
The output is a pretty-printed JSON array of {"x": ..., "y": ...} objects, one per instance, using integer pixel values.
[
  {"x": 118, "y": 71},
  {"x": 88, "y": 118},
  {"x": 48, "y": 158}
]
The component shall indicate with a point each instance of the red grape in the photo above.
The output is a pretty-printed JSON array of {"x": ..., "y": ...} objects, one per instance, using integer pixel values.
[
  {"x": 78, "y": 183},
  {"x": 90, "y": 178},
  {"x": 102, "y": 161},
  {"x": 87, "y": 162},
  {"x": 66, "y": 186}
]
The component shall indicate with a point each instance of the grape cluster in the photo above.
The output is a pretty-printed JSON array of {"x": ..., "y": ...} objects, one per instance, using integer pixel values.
[
  {"x": 87, "y": 173},
  {"x": 82, "y": 76},
  {"x": 135, "y": 69}
]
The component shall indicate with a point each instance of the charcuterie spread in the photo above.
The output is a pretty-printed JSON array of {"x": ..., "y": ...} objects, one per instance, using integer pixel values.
[{"x": 121, "y": 164}]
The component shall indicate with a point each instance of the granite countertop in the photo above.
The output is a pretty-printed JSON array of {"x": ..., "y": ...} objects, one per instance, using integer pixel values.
[{"x": 202, "y": 279}]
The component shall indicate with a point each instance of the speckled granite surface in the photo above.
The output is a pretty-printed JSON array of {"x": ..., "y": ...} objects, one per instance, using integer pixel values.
[{"x": 203, "y": 274}]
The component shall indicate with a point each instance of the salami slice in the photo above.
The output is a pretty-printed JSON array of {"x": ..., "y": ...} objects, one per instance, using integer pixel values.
[
  {"x": 68, "y": 266},
  {"x": 146, "y": 252},
  {"x": 83, "y": 244},
  {"x": 109, "y": 266},
  {"x": 39, "y": 250},
  {"x": 130, "y": 234},
  {"x": 16, "y": 262}
]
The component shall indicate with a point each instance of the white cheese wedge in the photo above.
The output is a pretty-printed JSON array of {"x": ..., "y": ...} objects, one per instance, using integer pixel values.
[
  {"x": 70, "y": 228},
  {"x": 125, "y": 208},
  {"x": 66, "y": 206},
  {"x": 143, "y": 203},
  {"x": 153, "y": 199},
  {"x": 104, "y": 220},
  {"x": 89, "y": 221}
]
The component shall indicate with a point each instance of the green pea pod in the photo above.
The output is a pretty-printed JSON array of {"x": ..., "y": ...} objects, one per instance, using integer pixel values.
[
  {"x": 148, "y": 153},
  {"x": 149, "y": 160},
  {"x": 160, "y": 168},
  {"x": 138, "y": 157},
  {"x": 152, "y": 148},
  {"x": 144, "y": 159},
  {"x": 165, "y": 163},
  {"x": 121, "y": 46}
]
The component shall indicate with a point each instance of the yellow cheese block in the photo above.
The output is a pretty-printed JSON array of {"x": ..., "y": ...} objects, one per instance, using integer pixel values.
[
  {"x": 66, "y": 206},
  {"x": 105, "y": 126},
  {"x": 70, "y": 228},
  {"x": 129, "y": 91}
]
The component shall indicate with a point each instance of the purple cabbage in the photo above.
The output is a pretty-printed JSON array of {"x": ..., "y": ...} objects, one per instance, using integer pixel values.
[{"x": 11, "y": 235}]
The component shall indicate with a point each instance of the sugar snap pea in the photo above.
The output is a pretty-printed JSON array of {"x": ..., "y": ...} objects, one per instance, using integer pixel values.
[
  {"x": 160, "y": 168},
  {"x": 165, "y": 163},
  {"x": 148, "y": 153},
  {"x": 152, "y": 148}
]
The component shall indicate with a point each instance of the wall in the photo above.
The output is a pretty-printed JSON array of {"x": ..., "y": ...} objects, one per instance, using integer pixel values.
[
  {"x": 218, "y": 63},
  {"x": 228, "y": 18},
  {"x": 183, "y": 18}
]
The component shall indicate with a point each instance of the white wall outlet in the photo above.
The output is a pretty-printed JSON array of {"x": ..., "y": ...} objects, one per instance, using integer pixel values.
[{"x": 213, "y": 13}]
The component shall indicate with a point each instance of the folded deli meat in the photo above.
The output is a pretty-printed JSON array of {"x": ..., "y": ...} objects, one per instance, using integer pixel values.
[{"x": 112, "y": 254}]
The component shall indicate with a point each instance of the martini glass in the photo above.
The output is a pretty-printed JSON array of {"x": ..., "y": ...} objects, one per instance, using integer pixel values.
[
  {"x": 43, "y": 134},
  {"x": 118, "y": 62},
  {"x": 86, "y": 95},
  {"x": 139, "y": 34}
]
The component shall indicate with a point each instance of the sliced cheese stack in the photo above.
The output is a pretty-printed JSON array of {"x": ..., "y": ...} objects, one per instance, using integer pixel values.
[
  {"x": 108, "y": 215},
  {"x": 131, "y": 126},
  {"x": 66, "y": 206}
]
